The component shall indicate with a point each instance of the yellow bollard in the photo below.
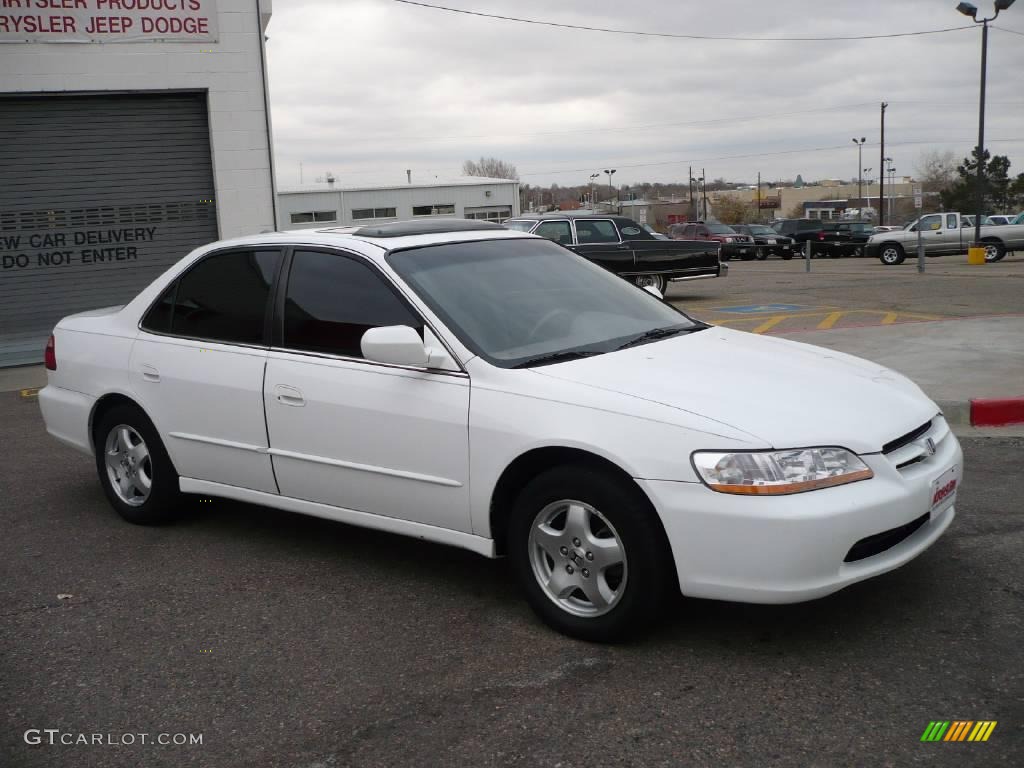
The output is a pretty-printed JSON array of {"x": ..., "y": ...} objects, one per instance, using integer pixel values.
[{"x": 976, "y": 255}]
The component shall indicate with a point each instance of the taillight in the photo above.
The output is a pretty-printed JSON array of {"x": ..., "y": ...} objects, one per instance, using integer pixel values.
[
  {"x": 50, "y": 356},
  {"x": 821, "y": 235}
]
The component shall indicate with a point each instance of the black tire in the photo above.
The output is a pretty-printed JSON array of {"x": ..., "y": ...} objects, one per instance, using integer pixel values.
[
  {"x": 891, "y": 254},
  {"x": 786, "y": 256},
  {"x": 761, "y": 253},
  {"x": 857, "y": 252},
  {"x": 164, "y": 499},
  {"x": 649, "y": 571},
  {"x": 994, "y": 250},
  {"x": 748, "y": 256}
]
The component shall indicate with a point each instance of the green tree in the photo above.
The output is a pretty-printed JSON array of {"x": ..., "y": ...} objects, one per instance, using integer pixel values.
[{"x": 995, "y": 184}]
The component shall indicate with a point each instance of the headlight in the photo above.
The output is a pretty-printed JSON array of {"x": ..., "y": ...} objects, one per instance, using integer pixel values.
[{"x": 774, "y": 473}]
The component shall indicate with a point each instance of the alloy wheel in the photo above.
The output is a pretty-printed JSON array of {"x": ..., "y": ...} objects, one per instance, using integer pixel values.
[
  {"x": 129, "y": 465},
  {"x": 578, "y": 558}
]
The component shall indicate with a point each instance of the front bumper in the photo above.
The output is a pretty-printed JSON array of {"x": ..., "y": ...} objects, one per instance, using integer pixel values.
[
  {"x": 736, "y": 250},
  {"x": 787, "y": 549}
]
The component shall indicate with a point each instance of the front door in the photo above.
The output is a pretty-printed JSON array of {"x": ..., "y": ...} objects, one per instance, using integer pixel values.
[
  {"x": 197, "y": 368},
  {"x": 383, "y": 439}
]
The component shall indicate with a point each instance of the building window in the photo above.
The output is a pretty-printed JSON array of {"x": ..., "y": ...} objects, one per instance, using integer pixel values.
[
  {"x": 491, "y": 213},
  {"x": 373, "y": 213},
  {"x": 309, "y": 216},
  {"x": 437, "y": 209}
]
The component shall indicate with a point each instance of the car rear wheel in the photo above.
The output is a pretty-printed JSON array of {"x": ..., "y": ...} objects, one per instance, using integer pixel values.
[
  {"x": 134, "y": 469},
  {"x": 760, "y": 253},
  {"x": 589, "y": 554},
  {"x": 651, "y": 281},
  {"x": 891, "y": 254},
  {"x": 994, "y": 251}
]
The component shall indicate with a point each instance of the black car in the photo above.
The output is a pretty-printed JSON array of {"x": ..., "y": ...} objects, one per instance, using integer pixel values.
[
  {"x": 847, "y": 238},
  {"x": 767, "y": 241},
  {"x": 624, "y": 247},
  {"x": 803, "y": 231}
]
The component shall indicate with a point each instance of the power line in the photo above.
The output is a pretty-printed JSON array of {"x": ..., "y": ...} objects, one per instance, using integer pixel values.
[
  {"x": 1011, "y": 31},
  {"x": 685, "y": 161},
  {"x": 674, "y": 35}
]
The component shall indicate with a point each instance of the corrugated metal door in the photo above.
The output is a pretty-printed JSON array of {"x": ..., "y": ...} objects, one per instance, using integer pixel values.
[{"x": 98, "y": 196}]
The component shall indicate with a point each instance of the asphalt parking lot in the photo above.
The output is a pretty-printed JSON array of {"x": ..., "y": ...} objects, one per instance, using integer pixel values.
[
  {"x": 850, "y": 292},
  {"x": 293, "y": 641}
]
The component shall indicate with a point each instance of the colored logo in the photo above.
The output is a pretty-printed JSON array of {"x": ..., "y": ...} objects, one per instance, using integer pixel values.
[{"x": 958, "y": 730}]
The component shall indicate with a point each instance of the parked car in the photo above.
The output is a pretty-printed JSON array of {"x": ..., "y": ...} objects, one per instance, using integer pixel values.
[
  {"x": 767, "y": 241},
  {"x": 846, "y": 238},
  {"x": 1000, "y": 219},
  {"x": 886, "y": 228},
  {"x": 802, "y": 231},
  {"x": 944, "y": 234},
  {"x": 484, "y": 388},
  {"x": 732, "y": 242},
  {"x": 968, "y": 221},
  {"x": 1019, "y": 219},
  {"x": 622, "y": 246}
]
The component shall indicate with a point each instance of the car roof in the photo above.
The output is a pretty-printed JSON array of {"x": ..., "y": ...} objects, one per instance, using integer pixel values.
[
  {"x": 569, "y": 215},
  {"x": 377, "y": 240}
]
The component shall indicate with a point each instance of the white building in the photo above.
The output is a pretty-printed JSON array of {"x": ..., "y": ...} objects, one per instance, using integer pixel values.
[
  {"x": 127, "y": 138},
  {"x": 468, "y": 197}
]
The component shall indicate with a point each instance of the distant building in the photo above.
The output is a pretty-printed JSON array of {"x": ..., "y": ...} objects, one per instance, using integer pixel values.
[{"x": 467, "y": 197}]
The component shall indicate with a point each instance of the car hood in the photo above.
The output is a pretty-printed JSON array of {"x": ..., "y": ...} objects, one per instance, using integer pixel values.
[{"x": 787, "y": 394}]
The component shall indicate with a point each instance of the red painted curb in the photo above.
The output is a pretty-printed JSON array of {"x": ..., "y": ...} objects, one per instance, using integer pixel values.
[{"x": 997, "y": 413}]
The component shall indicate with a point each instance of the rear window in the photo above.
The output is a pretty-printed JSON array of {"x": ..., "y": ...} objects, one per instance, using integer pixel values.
[{"x": 519, "y": 225}]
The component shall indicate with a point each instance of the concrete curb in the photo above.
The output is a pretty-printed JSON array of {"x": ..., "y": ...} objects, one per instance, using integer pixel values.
[{"x": 986, "y": 412}]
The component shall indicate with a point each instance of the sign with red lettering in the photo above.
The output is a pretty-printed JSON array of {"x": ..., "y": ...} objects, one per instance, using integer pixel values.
[{"x": 108, "y": 21}]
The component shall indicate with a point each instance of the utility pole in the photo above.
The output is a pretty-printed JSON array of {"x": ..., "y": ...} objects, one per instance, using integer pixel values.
[
  {"x": 693, "y": 211},
  {"x": 704, "y": 175},
  {"x": 881, "y": 171},
  {"x": 757, "y": 212},
  {"x": 860, "y": 173}
]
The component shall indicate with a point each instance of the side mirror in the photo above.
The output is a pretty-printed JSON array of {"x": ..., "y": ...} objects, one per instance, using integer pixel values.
[
  {"x": 654, "y": 292},
  {"x": 395, "y": 345}
]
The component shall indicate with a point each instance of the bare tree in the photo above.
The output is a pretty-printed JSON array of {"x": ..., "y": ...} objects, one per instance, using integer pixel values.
[
  {"x": 936, "y": 170},
  {"x": 490, "y": 167}
]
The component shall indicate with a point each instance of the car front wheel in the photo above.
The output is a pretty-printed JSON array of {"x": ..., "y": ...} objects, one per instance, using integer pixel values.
[
  {"x": 134, "y": 469},
  {"x": 589, "y": 554},
  {"x": 891, "y": 254}
]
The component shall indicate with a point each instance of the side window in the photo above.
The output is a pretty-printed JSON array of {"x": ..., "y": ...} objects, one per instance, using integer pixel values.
[
  {"x": 930, "y": 223},
  {"x": 333, "y": 300},
  {"x": 555, "y": 230},
  {"x": 950, "y": 221},
  {"x": 600, "y": 231},
  {"x": 222, "y": 298}
]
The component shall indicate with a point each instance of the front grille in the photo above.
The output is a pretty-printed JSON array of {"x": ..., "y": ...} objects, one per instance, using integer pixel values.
[
  {"x": 879, "y": 542},
  {"x": 910, "y": 437}
]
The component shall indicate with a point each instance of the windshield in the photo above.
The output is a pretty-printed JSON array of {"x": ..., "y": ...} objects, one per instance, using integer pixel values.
[
  {"x": 760, "y": 229},
  {"x": 720, "y": 229},
  {"x": 524, "y": 302},
  {"x": 519, "y": 225}
]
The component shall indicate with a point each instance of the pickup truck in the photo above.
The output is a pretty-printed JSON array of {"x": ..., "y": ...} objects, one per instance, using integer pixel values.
[
  {"x": 943, "y": 234},
  {"x": 624, "y": 247}
]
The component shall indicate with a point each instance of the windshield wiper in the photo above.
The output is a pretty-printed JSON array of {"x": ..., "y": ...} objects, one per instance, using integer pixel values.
[
  {"x": 660, "y": 333},
  {"x": 555, "y": 357}
]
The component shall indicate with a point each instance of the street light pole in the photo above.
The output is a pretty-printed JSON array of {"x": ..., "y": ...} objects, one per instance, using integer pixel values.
[
  {"x": 970, "y": 10},
  {"x": 592, "y": 177},
  {"x": 610, "y": 188},
  {"x": 860, "y": 175}
]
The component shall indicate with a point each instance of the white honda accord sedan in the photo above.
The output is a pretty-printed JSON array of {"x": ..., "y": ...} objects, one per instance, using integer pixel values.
[{"x": 491, "y": 390}]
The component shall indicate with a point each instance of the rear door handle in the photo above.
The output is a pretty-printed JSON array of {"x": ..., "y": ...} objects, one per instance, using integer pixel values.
[
  {"x": 289, "y": 395},
  {"x": 149, "y": 373}
]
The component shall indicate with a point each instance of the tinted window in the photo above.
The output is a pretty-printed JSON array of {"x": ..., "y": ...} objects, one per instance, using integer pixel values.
[
  {"x": 158, "y": 319},
  {"x": 950, "y": 221},
  {"x": 222, "y": 298},
  {"x": 333, "y": 300},
  {"x": 555, "y": 230},
  {"x": 600, "y": 231}
]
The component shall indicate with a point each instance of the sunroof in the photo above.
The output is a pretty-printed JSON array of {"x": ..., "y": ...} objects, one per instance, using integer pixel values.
[{"x": 427, "y": 227}]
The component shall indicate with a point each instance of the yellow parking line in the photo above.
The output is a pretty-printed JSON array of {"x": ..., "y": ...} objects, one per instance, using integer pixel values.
[
  {"x": 828, "y": 322},
  {"x": 770, "y": 323}
]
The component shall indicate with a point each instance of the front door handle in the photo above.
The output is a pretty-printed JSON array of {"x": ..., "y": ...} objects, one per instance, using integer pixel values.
[{"x": 289, "y": 395}]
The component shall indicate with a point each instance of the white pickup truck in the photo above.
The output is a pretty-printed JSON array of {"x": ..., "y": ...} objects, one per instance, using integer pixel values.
[{"x": 944, "y": 234}]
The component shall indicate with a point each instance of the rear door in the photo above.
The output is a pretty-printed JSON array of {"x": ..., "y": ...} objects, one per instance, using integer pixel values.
[
  {"x": 387, "y": 440},
  {"x": 668, "y": 257},
  {"x": 599, "y": 240},
  {"x": 197, "y": 367}
]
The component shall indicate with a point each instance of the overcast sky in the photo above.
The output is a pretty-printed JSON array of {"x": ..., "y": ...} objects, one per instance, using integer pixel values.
[{"x": 368, "y": 88}]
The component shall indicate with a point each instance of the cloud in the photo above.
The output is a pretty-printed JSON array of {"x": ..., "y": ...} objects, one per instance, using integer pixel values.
[{"x": 369, "y": 88}]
